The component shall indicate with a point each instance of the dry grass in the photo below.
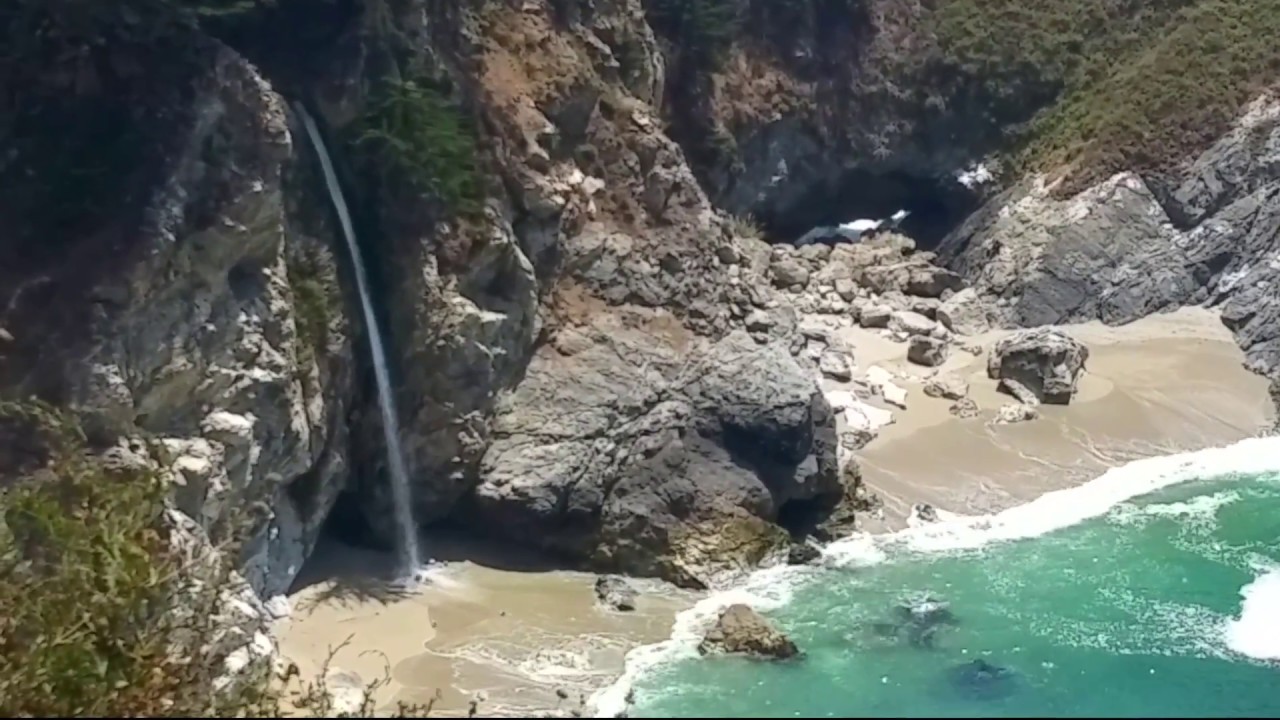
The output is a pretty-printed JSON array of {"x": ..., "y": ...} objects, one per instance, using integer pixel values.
[{"x": 745, "y": 227}]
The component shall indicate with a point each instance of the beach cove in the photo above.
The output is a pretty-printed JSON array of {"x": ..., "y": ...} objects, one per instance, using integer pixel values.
[{"x": 525, "y": 639}]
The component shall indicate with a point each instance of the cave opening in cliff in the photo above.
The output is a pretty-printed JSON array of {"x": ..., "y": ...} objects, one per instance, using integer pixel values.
[{"x": 935, "y": 206}]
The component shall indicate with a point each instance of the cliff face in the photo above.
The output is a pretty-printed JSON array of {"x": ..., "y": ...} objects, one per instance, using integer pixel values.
[
  {"x": 198, "y": 305},
  {"x": 1117, "y": 251},
  {"x": 594, "y": 352}
]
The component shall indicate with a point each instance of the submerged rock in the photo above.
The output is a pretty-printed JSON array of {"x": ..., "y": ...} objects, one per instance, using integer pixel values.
[
  {"x": 615, "y": 593},
  {"x": 917, "y": 622},
  {"x": 743, "y": 630},
  {"x": 1045, "y": 361},
  {"x": 926, "y": 610},
  {"x": 982, "y": 680}
]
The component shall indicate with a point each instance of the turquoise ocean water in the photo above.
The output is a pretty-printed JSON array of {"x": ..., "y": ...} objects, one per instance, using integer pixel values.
[{"x": 1153, "y": 591}]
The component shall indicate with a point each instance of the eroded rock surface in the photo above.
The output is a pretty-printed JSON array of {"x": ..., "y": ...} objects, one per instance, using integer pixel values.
[
  {"x": 215, "y": 322},
  {"x": 1044, "y": 362},
  {"x": 639, "y": 459},
  {"x": 741, "y": 630}
]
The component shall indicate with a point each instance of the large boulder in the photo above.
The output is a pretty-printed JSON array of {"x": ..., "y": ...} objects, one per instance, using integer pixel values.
[
  {"x": 659, "y": 461},
  {"x": 743, "y": 630},
  {"x": 616, "y": 593},
  {"x": 1046, "y": 361}
]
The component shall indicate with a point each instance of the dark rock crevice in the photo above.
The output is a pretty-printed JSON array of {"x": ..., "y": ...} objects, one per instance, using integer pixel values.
[{"x": 935, "y": 206}]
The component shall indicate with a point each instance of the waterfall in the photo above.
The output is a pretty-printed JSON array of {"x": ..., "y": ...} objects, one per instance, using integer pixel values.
[{"x": 405, "y": 527}]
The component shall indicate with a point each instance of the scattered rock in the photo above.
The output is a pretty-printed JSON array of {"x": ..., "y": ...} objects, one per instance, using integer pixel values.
[
  {"x": 911, "y": 323},
  {"x": 1046, "y": 361},
  {"x": 5, "y": 336},
  {"x": 802, "y": 553},
  {"x": 1015, "y": 413},
  {"x": 947, "y": 387},
  {"x": 964, "y": 313},
  {"x": 728, "y": 255},
  {"x": 927, "y": 351},
  {"x": 760, "y": 321},
  {"x": 278, "y": 607},
  {"x": 616, "y": 593},
  {"x": 743, "y": 630},
  {"x": 835, "y": 365},
  {"x": 927, "y": 307},
  {"x": 924, "y": 512},
  {"x": 1020, "y": 391},
  {"x": 846, "y": 289},
  {"x": 882, "y": 380},
  {"x": 875, "y": 316},
  {"x": 789, "y": 273},
  {"x": 964, "y": 408}
]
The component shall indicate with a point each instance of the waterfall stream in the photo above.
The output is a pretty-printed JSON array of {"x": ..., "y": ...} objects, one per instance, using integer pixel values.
[{"x": 406, "y": 529}]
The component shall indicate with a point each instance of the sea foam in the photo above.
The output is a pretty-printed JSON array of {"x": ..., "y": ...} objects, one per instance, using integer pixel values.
[
  {"x": 771, "y": 588},
  {"x": 1256, "y": 633}
]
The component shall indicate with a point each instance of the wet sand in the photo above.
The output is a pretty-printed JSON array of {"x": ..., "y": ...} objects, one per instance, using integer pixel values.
[
  {"x": 513, "y": 632},
  {"x": 517, "y": 635}
]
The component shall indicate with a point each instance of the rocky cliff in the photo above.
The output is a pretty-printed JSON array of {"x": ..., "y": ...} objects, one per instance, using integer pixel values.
[
  {"x": 596, "y": 350},
  {"x": 1119, "y": 250}
]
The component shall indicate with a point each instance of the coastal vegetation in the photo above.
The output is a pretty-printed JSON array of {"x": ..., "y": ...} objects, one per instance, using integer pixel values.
[
  {"x": 108, "y": 608},
  {"x": 316, "y": 303},
  {"x": 1142, "y": 86},
  {"x": 412, "y": 135}
]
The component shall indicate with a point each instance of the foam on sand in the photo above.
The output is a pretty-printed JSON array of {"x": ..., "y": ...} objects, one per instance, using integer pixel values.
[{"x": 1069, "y": 506}]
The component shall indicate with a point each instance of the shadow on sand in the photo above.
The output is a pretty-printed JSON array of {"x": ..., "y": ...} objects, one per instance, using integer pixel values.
[{"x": 353, "y": 575}]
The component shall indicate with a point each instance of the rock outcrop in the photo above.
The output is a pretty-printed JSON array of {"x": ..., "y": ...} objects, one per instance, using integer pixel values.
[
  {"x": 1125, "y": 248},
  {"x": 633, "y": 457},
  {"x": 741, "y": 630},
  {"x": 1040, "y": 365}
]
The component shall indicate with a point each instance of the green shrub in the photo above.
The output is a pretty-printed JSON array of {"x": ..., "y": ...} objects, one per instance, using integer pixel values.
[
  {"x": 101, "y": 613},
  {"x": 315, "y": 303},
  {"x": 412, "y": 134}
]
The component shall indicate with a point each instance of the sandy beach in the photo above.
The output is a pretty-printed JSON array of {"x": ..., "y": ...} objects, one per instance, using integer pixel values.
[{"x": 527, "y": 640}]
